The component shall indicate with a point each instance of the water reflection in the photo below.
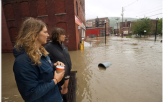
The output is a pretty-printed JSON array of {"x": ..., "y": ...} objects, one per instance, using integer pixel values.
[
  {"x": 102, "y": 68},
  {"x": 134, "y": 76}
]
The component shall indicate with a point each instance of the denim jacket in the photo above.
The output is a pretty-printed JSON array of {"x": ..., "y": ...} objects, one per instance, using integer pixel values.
[{"x": 35, "y": 82}]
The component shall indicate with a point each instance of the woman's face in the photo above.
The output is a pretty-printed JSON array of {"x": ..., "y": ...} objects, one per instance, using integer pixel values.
[
  {"x": 62, "y": 37},
  {"x": 43, "y": 35}
]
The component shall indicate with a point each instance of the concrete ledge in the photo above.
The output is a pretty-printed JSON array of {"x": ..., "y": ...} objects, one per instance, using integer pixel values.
[
  {"x": 10, "y": 20},
  {"x": 60, "y": 14},
  {"x": 25, "y": 17},
  {"x": 42, "y": 16}
]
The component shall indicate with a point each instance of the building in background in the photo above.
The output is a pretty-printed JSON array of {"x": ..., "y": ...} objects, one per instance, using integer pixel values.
[
  {"x": 126, "y": 27},
  {"x": 116, "y": 30},
  {"x": 153, "y": 29},
  {"x": 98, "y": 23},
  {"x": 95, "y": 32},
  {"x": 111, "y": 30},
  {"x": 66, "y": 14}
]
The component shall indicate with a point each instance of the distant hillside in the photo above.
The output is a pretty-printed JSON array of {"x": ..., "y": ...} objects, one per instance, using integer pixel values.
[{"x": 113, "y": 20}]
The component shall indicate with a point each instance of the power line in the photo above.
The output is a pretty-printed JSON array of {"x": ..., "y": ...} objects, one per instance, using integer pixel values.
[
  {"x": 150, "y": 12},
  {"x": 131, "y": 3},
  {"x": 149, "y": 9},
  {"x": 146, "y": 11},
  {"x": 155, "y": 14}
]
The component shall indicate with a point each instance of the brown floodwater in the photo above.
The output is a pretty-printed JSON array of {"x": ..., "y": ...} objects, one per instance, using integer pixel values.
[{"x": 135, "y": 74}]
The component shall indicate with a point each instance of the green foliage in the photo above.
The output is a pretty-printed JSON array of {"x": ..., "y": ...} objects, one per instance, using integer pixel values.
[
  {"x": 159, "y": 26},
  {"x": 128, "y": 36},
  {"x": 140, "y": 25}
]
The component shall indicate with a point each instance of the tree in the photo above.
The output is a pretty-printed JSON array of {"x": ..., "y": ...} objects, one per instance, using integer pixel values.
[
  {"x": 159, "y": 26},
  {"x": 140, "y": 25}
]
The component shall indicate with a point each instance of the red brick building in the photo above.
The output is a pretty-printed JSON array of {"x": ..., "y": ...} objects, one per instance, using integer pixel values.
[
  {"x": 67, "y": 14},
  {"x": 95, "y": 31},
  {"x": 111, "y": 30},
  {"x": 153, "y": 21},
  {"x": 125, "y": 27},
  {"x": 91, "y": 23}
]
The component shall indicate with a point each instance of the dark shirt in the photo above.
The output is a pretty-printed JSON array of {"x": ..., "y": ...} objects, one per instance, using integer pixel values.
[{"x": 58, "y": 52}]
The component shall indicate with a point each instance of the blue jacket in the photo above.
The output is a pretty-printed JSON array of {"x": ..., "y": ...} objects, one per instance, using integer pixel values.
[{"x": 35, "y": 82}]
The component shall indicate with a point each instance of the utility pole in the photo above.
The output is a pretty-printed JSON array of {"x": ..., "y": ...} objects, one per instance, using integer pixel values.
[
  {"x": 156, "y": 27},
  {"x": 122, "y": 21},
  {"x": 105, "y": 31},
  {"x": 117, "y": 27}
]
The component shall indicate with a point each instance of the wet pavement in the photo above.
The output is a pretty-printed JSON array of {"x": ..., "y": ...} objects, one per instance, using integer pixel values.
[{"x": 134, "y": 76}]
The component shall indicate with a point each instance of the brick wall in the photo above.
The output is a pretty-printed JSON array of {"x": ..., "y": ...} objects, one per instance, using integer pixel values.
[
  {"x": 6, "y": 41},
  {"x": 55, "y": 13},
  {"x": 153, "y": 26}
]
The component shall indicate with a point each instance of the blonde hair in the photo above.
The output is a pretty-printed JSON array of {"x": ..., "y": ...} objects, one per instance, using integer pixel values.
[{"x": 27, "y": 38}]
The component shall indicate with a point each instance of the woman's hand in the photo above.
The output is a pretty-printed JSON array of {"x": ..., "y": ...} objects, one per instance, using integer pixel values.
[
  {"x": 58, "y": 76},
  {"x": 59, "y": 63}
]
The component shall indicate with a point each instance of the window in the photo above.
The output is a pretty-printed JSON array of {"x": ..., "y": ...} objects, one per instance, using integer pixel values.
[
  {"x": 25, "y": 9},
  {"x": 8, "y": 10},
  {"x": 59, "y": 6},
  {"x": 41, "y": 7}
]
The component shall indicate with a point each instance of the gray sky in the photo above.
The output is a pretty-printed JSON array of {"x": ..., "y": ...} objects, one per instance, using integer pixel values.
[{"x": 132, "y": 8}]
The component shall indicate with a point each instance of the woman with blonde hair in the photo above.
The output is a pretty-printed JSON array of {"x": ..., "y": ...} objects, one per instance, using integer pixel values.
[{"x": 36, "y": 80}]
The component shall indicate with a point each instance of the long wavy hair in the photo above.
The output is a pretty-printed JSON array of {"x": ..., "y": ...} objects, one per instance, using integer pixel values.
[
  {"x": 56, "y": 32},
  {"x": 27, "y": 38}
]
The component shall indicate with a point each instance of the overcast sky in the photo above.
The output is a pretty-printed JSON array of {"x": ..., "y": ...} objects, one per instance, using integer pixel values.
[{"x": 132, "y": 8}]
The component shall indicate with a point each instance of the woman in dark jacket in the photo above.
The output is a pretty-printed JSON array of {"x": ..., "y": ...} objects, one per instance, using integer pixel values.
[
  {"x": 58, "y": 52},
  {"x": 33, "y": 70}
]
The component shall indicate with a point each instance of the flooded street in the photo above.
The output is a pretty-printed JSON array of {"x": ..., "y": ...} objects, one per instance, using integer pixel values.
[{"x": 134, "y": 76}]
